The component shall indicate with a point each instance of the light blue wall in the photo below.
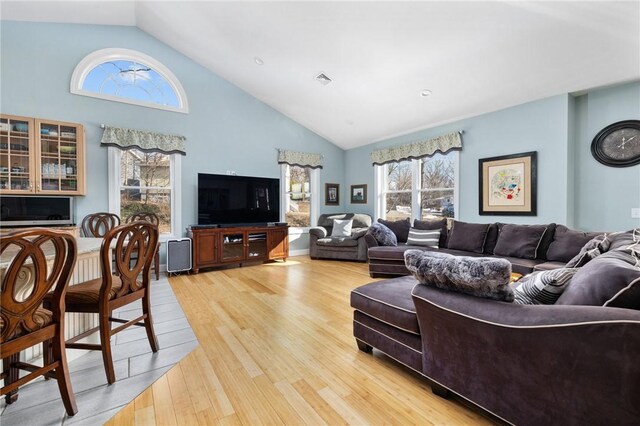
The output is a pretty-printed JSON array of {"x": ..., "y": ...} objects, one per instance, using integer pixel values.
[
  {"x": 573, "y": 188},
  {"x": 604, "y": 196},
  {"x": 226, "y": 128},
  {"x": 536, "y": 126}
]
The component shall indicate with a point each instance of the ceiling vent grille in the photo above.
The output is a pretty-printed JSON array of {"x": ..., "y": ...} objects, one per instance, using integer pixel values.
[{"x": 323, "y": 79}]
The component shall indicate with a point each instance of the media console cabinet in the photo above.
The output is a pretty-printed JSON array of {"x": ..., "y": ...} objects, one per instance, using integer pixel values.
[{"x": 214, "y": 247}]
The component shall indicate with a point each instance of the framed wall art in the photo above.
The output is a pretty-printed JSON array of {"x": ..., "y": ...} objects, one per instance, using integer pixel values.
[
  {"x": 508, "y": 185},
  {"x": 331, "y": 194},
  {"x": 359, "y": 194}
]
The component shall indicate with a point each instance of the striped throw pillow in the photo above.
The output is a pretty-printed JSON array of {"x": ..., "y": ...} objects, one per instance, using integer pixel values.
[
  {"x": 543, "y": 287},
  {"x": 426, "y": 238}
]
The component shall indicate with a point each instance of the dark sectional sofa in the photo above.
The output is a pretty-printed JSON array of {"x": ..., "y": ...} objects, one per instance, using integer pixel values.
[
  {"x": 548, "y": 246},
  {"x": 567, "y": 363}
]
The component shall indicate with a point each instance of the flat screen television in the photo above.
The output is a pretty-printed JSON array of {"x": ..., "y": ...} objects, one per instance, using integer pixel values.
[{"x": 237, "y": 200}]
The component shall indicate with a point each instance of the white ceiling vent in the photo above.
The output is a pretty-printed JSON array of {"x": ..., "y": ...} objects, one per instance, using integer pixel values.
[{"x": 323, "y": 79}]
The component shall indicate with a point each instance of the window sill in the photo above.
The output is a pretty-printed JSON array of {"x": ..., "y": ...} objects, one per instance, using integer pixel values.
[{"x": 299, "y": 230}]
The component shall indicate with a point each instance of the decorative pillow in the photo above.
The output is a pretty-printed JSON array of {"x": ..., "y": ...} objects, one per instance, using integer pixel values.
[
  {"x": 341, "y": 228},
  {"x": 433, "y": 224},
  {"x": 419, "y": 237},
  {"x": 624, "y": 240},
  {"x": 468, "y": 236},
  {"x": 492, "y": 238},
  {"x": 604, "y": 281},
  {"x": 628, "y": 297},
  {"x": 358, "y": 232},
  {"x": 383, "y": 235},
  {"x": 592, "y": 249},
  {"x": 486, "y": 277},
  {"x": 543, "y": 287},
  {"x": 398, "y": 227},
  {"x": 567, "y": 243},
  {"x": 520, "y": 241}
]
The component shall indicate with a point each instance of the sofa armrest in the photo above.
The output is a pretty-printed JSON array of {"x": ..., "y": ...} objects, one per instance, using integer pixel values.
[
  {"x": 370, "y": 240},
  {"x": 579, "y": 362},
  {"x": 318, "y": 232}
]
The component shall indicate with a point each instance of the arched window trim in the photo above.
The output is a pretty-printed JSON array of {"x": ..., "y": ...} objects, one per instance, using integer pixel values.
[{"x": 92, "y": 60}]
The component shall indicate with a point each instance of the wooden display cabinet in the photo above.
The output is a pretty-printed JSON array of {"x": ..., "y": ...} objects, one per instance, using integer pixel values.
[
  {"x": 214, "y": 247},
  {"x": 41, "y": 156}
]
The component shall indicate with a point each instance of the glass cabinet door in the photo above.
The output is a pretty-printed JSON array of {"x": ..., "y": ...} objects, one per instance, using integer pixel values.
[
  {"x": 59, "y": 153},
  {"x": 232, "y": 246},
  {"x": 257, "y": 245},
  {"x": 15, "y": 154}
]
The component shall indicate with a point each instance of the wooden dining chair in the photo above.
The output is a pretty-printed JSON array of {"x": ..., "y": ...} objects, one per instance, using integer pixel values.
[
  {"x": 123, "y": 281},
  {"x": 97, "y": 225},
  {"x": 153, "y": 218},
  {"x": 27, "y": 279}
]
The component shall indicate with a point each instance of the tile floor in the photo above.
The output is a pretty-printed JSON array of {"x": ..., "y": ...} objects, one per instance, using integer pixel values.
[{"x": 136, "y": 368}]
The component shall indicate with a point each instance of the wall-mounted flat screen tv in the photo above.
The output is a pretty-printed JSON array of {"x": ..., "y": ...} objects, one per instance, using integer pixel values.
[{"x": 237, "y": 200}]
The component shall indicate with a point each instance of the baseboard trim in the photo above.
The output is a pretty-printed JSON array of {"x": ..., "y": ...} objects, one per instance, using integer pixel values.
[{"x": 303, "y": 252}]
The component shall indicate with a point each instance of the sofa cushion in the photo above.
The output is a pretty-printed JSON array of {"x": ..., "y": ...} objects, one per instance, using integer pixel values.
[
  {"x": 383, "y": 235},
  {"x": 543, "y": 287},
  {"x": 388, "y": 301},
  {"x": 567, "y": 243},
  {"x": 468, "y": 236},
  {"x": 622, "y": 240},
  {"x": 486, "y": 277},
  {"x": 601, "y": 281},
  {"x": 522, "y": 266},
  {"x": 337, "y": 242},
  {"x": 399, "y": 227},
  {"x": 519, "y": 240},
  {"x": 425, "y": 238},
  {"x": 592, "y": 249},
  {"x": 492, "y": 238},
  {"x": 548, "y": 266},
  {"x": 440, "y": 224},
  {"x": 342, "y": 227}
]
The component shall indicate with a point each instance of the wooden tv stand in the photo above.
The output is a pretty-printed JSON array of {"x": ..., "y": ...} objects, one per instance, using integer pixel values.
[{"x": 214, "y": 247}]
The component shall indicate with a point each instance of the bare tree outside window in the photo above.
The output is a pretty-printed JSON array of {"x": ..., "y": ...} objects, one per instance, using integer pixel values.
[
  {"x": 437, "y": 183},
  {"x": 145, "y": 185},
  {"x": 435, "y": 191},
  {"x": 398, "y": 196},
  {"x": 298, "y": 209}
]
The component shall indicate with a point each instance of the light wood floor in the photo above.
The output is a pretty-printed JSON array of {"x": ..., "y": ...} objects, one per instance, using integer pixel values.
[{"x": 276, "y": 346}]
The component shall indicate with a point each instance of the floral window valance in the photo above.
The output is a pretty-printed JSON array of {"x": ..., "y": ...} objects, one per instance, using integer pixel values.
[
  {"x": 441, "y": 144},
  {"x": 302, "y": 159},
  {"x": 143, "y": 140}
]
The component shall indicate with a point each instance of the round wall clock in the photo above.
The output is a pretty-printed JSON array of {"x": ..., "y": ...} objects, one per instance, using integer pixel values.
[{"x": 618, "y": 145}]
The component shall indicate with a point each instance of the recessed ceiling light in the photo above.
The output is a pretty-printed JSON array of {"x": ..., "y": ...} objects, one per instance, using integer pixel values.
[
  {"x": 425, "y": 93},
  {"x": 258, "y": 60}
]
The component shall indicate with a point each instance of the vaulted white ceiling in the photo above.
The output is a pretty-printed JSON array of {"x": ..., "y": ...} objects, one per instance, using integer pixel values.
[{"x": 475, "y": 57}]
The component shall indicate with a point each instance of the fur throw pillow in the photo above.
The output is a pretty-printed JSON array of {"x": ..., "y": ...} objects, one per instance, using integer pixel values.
[
  {"x": 594, "y": 248},
  {"x": 383, "y": 235},
  {"x": 486, "y": 277}
]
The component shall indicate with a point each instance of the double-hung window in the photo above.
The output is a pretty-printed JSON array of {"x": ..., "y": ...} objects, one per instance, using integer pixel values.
[
  {"x": 145, "y": 182},
  {"x": 299, "y": 188},
  {"x": 418, "y": 189}
]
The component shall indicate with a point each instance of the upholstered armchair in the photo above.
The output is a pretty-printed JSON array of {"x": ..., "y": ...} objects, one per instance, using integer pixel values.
[{"x": 353, "y": 247}]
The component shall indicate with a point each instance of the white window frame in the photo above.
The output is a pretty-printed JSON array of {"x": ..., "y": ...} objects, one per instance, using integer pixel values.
[
  {"x": 175, "y": 173},
  {"x": 92, "y": 60},
  {"x": 314, "y": 194},
  {"x": 380, "y": 188}
]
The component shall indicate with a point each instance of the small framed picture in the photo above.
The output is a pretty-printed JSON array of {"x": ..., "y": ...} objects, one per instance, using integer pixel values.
[
  {"x": 359, "y": 194},
  {"x": 508, "y": 185},
  {"x": 331, "y": 194}
]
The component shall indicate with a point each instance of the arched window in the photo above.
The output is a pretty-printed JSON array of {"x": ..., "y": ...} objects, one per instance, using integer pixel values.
[{"x": 128, "y": 76}]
